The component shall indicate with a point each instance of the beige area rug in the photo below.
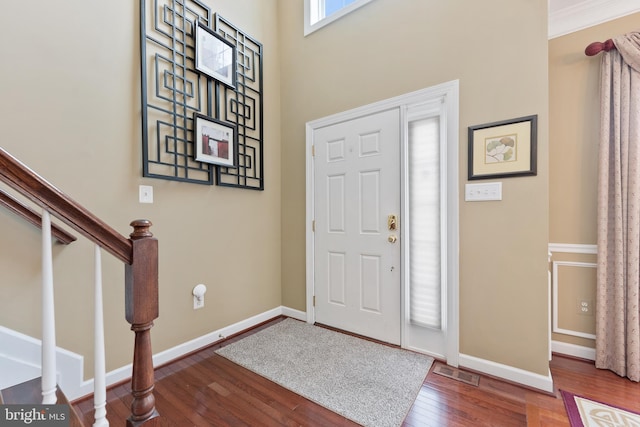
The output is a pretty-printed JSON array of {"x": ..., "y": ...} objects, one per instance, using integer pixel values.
[
  {"x": 372, "y": 384},
  {"x": 585, "y": 412}
]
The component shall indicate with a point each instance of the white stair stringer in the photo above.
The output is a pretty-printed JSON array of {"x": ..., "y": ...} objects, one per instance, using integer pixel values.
[
  {"x": 15, "y": 371},
  {"x": 20, "y": 361}
]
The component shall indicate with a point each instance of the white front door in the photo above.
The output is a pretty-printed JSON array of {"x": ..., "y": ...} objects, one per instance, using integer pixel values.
[
  {"x": 394, "y": 157},
  {"x": 356, "y": 249}
]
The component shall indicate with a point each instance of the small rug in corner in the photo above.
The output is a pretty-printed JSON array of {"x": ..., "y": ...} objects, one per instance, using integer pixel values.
[
  {"x": 369, "y": 383},
  {"x": 585, "y": 412}
]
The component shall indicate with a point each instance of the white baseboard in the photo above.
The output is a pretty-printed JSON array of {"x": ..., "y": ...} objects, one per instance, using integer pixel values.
[
  {"x": 166, "y": 356},
  {"x": 509, "y": 373},
  {"x": 294, "y": 314},
  {"x": 573, "y": 350},
  {"x": 70, "y": 368}
]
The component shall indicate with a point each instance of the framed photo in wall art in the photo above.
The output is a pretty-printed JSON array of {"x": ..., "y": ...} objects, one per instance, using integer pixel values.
[
  {"x": 215, "y": 141},
  {"x": 503, "y": 149},
  {"x": 215, "y": 56}
]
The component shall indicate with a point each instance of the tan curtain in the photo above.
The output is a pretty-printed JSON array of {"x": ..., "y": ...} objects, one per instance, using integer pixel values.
[{"x": 618, "y": 293}]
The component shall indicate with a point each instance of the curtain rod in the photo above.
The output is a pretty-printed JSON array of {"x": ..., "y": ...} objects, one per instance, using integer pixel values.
[{"x": 597, "y": 47}]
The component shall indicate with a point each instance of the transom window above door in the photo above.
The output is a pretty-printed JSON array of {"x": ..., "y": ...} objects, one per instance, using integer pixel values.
[{"x": 318, "y": 13}]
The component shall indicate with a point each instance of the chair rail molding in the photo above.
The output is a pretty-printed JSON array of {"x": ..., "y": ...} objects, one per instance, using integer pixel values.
[{"x": 573, "y": 248}]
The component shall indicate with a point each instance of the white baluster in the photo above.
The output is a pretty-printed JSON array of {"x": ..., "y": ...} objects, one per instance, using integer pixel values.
[
  {"x": 48, "y": 316},
  {"x": 99, "y": 382}
]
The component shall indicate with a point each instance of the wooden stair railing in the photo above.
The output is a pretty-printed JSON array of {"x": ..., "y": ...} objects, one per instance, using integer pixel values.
[
  {"x": 140, "y": 256},
  {"x": 24, "y": 211}
]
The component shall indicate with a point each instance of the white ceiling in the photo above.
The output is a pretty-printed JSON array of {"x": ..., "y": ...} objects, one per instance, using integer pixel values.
[{"x": 567, "y": 16}]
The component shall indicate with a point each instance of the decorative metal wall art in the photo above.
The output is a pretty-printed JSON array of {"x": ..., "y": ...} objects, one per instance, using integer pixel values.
[{"x": 175, "y": 93}]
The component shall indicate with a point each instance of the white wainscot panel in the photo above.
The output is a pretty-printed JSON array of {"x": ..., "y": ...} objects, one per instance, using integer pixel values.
[{"x": 555, "y": 288}]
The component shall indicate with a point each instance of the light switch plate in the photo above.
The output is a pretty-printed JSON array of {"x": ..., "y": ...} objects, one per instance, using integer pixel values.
[
  {"x": 146, "y": 194},
  {"x": 483, "y": 191}
]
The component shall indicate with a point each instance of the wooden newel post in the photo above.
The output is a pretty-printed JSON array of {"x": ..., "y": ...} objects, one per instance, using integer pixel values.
[{"x": 141, "y": 302}]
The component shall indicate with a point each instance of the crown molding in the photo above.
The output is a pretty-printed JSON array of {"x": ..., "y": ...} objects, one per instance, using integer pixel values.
[{"x": 587, "y": 14}]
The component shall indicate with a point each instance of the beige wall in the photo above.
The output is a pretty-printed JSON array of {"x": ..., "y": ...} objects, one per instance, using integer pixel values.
[
  {"x": 574, "y": 81},
  {"x": 389, "y": 48},
  {"x": 70, "y": 109}
]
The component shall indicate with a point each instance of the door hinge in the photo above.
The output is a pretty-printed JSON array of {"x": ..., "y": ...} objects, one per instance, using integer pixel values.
[
  {"x": 313, "y": 225},
  {"x": 314, "y": 300},
  {"x": 313, "y": 150}
]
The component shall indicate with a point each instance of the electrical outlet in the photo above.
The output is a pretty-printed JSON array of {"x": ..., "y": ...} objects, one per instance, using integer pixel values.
[
  {"x": 198, "y": 296},
  {"x": 585, "y": 307},
  {"x": 198, "y": 302}
]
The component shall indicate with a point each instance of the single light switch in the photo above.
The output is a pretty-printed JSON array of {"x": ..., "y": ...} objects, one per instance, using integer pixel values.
[{"x": 146, "y": 194}]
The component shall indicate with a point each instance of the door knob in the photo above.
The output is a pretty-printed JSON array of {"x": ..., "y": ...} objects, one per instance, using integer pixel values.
[{"x": 392, "y": 238}]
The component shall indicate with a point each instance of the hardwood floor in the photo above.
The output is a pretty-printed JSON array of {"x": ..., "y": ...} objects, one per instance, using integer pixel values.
[{"x": 205, "y": 389}]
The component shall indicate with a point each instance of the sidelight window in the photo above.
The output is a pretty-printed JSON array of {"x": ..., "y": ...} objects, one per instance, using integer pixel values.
[{"x": 425, "y": 259}]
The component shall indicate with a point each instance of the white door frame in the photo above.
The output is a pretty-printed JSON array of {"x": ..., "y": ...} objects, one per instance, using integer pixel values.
[{"x": 449, "y": 93}]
